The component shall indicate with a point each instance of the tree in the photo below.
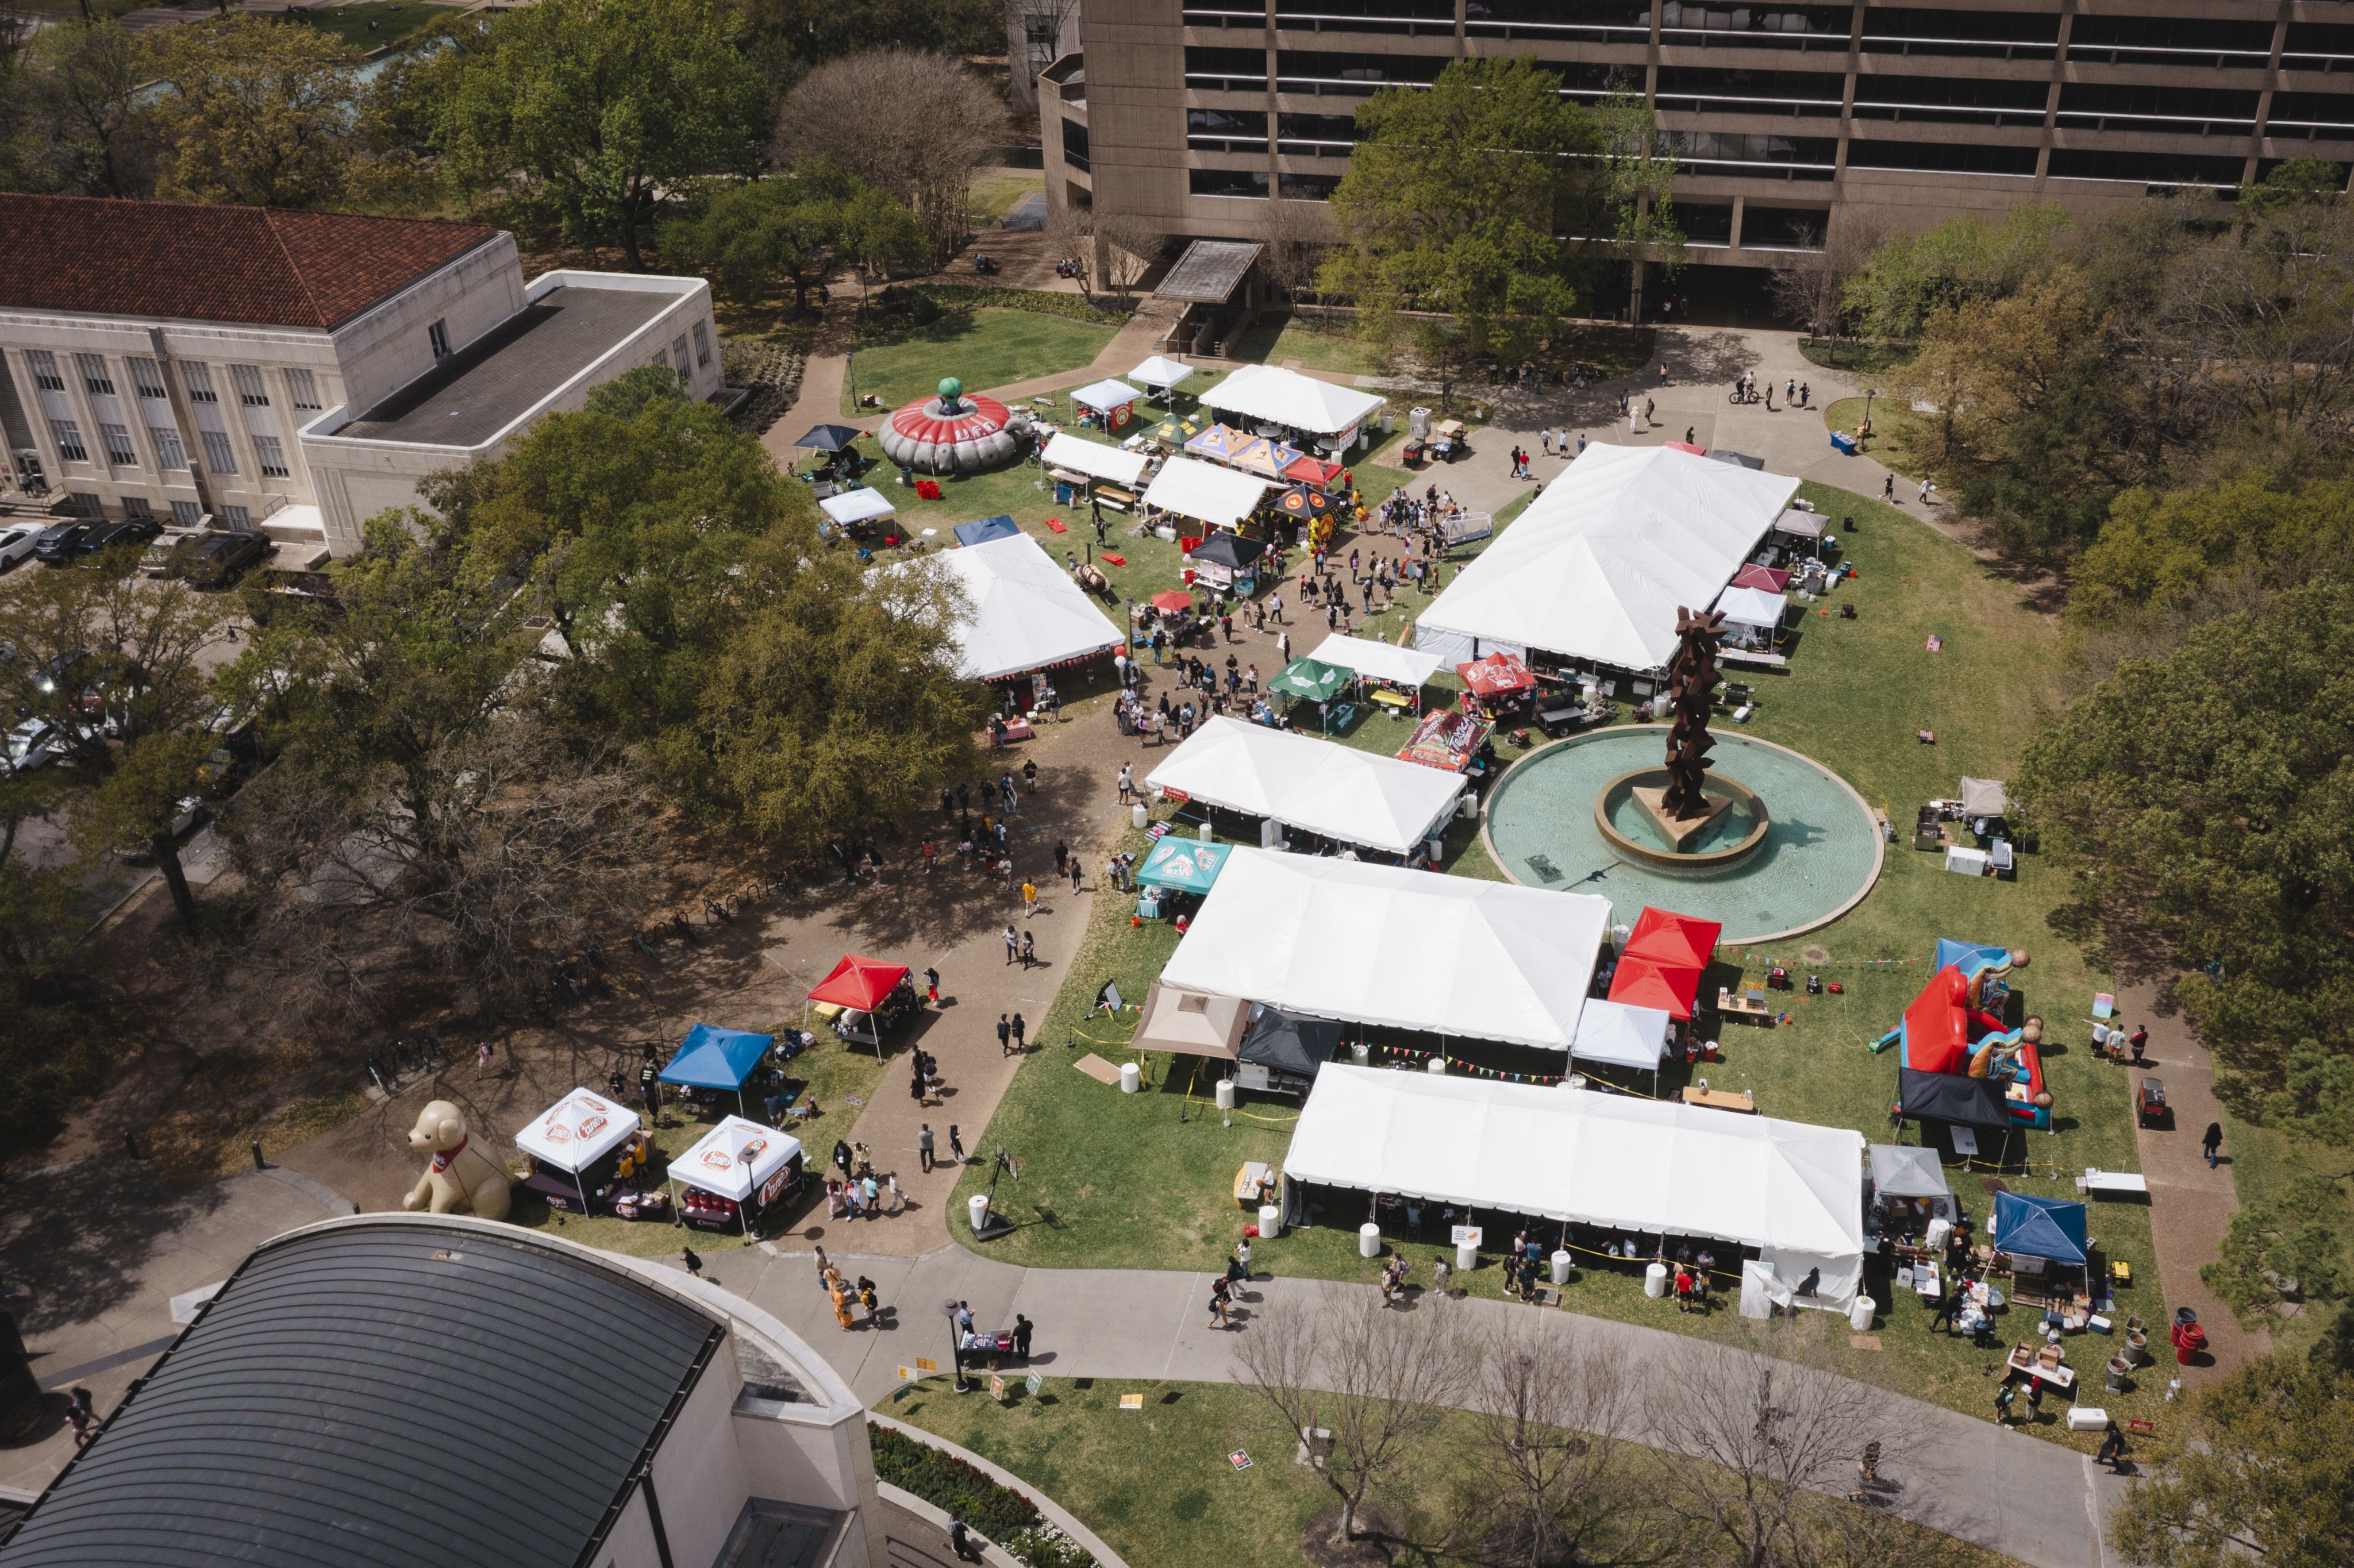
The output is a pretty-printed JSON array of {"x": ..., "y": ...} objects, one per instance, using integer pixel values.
[
  {"x": 84, "y": 131},
  {"x": 2267, "y": 1473},
  {"x": 259, "y": 113},
  {"x": 2158, "y": 551},
  {"x": 589, "y": 121},
  {"x": 791, "y": 37},
  {"x": 1910, "y": 276},
  {"x": 1550, "y": 1482},
  {"x": 2293, "y": 1248},
  {"x": 1132, "y": 244},
  {"x": 747, "y": 237},
  {"x": 943, "y": 121},
  {"x": 2209, "y": 789},
  {"x": 1296, "y": 235},
  {"x": 1381, "y": 1383},
  {"x": 1812, "y": 287},
  {"x": 1454, "y": 199},
  {"x": 1624, "y": 209}
]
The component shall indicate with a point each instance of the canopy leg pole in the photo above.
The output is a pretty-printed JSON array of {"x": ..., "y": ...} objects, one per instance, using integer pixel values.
[{"x": 582, "y": 1189}]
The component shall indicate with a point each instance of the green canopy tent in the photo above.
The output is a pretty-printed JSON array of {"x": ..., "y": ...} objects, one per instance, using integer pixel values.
[{"x": 1310, "y": 679}]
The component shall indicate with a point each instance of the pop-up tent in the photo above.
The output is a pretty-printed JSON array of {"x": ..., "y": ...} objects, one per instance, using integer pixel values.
[
  {"x": 1668, "y": 938},
  {"x": 1288, "y": 1043},
  {"x": 1753, "y": 607},
  {"x": 2051, "y": 1228},
  {"x": 713, "y": 1058},
  {"x": 1378, "y": 660},
  {"x": 1222, "y": 558},
  {"x": 1287, "y": 397},
  {"x": 1378, "y": 944},
  {"x": 1793, "y": 1191},
  {"x": 1901, "y": 1171},
  {"x": 857, "y": 507},
  {"x": 1205, "y": 492},
  {"x": 740, "y": 1161},
  {"x": 1024, "y": 612},
  {"x": 1191, "y": 1022},
  {"x": 1673, "y": 989},
  {"x": 1188, "y": 865},
  {"x": 1094, "y": 460},
  {"x": 1622, "y": 1036},
  {"x": 987, "y": 528},
  {"x": 1160, "y": 374},
  {"x": 1106, "y": 396},
  {"x": 576, "y": 1132},
  {"x": 1311, "y": 680},
  {"x": 860, "y": 983},
  {"x": 1497, "y": 675},
  {"x": 1356, "y": 797},
  {"x": 1984, "y": 798}
]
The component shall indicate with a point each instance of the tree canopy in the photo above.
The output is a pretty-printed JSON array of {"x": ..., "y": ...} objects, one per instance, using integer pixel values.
[
  {"x": 260, "y": 113},
  {"x": 751, "y": 237}
]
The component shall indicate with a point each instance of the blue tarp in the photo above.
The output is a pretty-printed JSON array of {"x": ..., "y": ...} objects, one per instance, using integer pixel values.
[
  {"x": 717, "y": 1058},
  {"x": 2038, "y": 1227},
  {"x": 1969, "y": 956},
  {"x": 987, "y": 528},
  {"x": 1185, "y": 864}
]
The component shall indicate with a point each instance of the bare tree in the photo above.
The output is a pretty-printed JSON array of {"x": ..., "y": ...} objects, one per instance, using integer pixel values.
[
  {"x": 916, "y": 124},
  {"x": 1767, "y": 1437},
  {"x": 1553, "y": 1482},
  {"x": 1812, "y": 287},
  {"x": 1070, "y": 228},
  {"x": 1296, "y": 235},
  {"x": 1381, "y": 1382},
  {"x": 1132, "y": 244}
]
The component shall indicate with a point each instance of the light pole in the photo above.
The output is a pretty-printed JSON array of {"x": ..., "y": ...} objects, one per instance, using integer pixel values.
[
  {"x": 1869, "y": 394},
  {"x": 956, "y": 1346}
]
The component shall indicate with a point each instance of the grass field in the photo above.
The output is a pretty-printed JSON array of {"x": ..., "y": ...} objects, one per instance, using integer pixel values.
[
  {"x": 1143, "y": 1180},
  {"x": 1280, "y": 337},
  {"x": 372, "y": 24},
  {"x": 1892, "y": 422},
  {"x": 985, "y": 348},
  {"x": 1159, "y": 1486},
  {"x": 994, "y": 191}
]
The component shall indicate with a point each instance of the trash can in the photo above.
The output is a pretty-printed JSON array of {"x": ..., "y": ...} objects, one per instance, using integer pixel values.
[
  {"x": 1205, "y": 831},
  {"x": 1859, "y": 1311},
  {"x": 1138, "y": 817},
  {"x": 1562, "y": 1265},
  {"x": 978, "y": 1206},
  {"x": 1225, "y": 1093},
  {"x": 1438, "y": 1065},
  {"x": 1466, "y": 1257},
  {"x": 1369, "y": 1240},
  {"x": 2137, "y": 1346},
  {"x": 1359, "y": 1052},
  {"x": 1655, "y": 1280},
  {"x": 906, "y": 474},
  {"x": 2119, "y": 1370},
  {"x": 1131, "y": 1079},
  {"x": 1270, "y": 1220}
]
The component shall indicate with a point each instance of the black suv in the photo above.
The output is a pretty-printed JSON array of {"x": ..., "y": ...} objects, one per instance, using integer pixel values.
[
  {"x": 59, "y": 541},
  {"x": 217, "y": 560},
  {"x": 106, "y": 536}
]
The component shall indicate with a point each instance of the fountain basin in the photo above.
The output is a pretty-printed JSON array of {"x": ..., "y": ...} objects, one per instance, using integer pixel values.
[{"x": 1628, "y": 815}]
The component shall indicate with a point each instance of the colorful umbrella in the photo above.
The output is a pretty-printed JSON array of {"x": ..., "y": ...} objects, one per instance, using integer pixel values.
[
  {"x": 1305, "y": 503},
  {"x": 1176, "y": 431},
  {"x": 1172, "y": 600},
  {"x": 1497, "y": 675}
]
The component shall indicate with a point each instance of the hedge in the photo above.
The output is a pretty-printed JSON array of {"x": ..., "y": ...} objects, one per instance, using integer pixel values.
[
  {"x": 972, "y": 296},
  {"x": 1000, "y": 1515}
]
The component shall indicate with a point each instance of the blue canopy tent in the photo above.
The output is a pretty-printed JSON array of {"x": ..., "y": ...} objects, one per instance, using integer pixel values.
[
  {"x": 982, "y": 531},
  {"x": 2028, "y": 1227},
  {"x": 1188, "y": 865},
  {"x": 712, "y": 1058}
]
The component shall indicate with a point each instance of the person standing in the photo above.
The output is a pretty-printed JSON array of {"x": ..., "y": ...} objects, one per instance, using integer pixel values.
[
  {"x": 1028, "y": 897},
  {"x": 932, "y": 986},
  {"x": 924, "y": 1146},
  {"x": 1021, "y": 1032},
  {"x": 956, "y": 1145},
  {"x": 2138, "y": 1040},
  {"x": 1029, "y": 950},
  {"x": 842, "y": 1156},
  {"x": 650, "y": 1088},
  {"x": 1004, "y": 1037},
  {"x": 1126, "y": 781},
  {"x": 2113, "y": 1450},
  {"x": 688, "y": 1261},
  {"x": 1012, "y": 944},
  {"x": 961, "y": 1542},
  {"x": 1022, "y": 1328},
  {"x": 1030, "y": 776},
  {"x": 484, "y": 1054},
  {"x": 2213, "y": 1142}
]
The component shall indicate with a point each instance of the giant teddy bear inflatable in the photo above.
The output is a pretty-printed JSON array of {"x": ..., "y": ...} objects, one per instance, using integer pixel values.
[{"x": 461, "y": 1177}]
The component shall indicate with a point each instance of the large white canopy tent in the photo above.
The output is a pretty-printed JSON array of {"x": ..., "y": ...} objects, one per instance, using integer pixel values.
[
  {"x": 1382, "y": 945},
  {"x": 1405, "y": 666},
  {"x": 1357, "y": 797},
  {"x": 857, "y": 507},
  {"x": 1160, "y": 374},
  {"x": 1094, "y": 460},
  {"x": 1793, "y": 1191},
  {"x": 1205, "y": 492},
  {"x": 1596, "y": 567},
  {"x": 1286, "y": 397},
  {"x": 1026, "y": 614},
  {"x": 576, "y": 1132},
  {"x": 1107, "y": 395}
]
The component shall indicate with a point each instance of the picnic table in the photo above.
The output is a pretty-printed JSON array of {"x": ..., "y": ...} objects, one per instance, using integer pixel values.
[
  {"x": 1721, "y": 1099},
  {"x": 1745, "y": 1005},
  {"x": 1253, "y": 1183},
  {"x": 2025, "y": 1359}
]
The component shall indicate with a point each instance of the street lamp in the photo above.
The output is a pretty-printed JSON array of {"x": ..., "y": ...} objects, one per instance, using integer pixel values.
[
  {"x": 1869, "y": 394},
  {"x": 956, "y": 1347}
]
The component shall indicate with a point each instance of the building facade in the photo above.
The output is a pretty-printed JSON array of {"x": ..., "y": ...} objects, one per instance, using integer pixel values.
[
  {"x": 1786, "y": 119},
  {"x": 269, "y": 369}
]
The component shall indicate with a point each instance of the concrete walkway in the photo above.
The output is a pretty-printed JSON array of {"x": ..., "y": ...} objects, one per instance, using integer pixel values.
[{"x": 2036, "y": 1501}]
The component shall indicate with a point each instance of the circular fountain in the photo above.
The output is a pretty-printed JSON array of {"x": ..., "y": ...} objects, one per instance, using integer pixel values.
[{"x": 955, "y": 432}]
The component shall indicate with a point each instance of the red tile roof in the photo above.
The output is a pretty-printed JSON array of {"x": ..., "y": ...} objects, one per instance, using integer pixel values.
[{"x": 255, "y": 265}]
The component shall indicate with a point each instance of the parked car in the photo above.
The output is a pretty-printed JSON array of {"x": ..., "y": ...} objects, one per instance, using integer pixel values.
[
  {"x": 218, "y": 560},
  {"x": 15, "y": 544},
  {"x": 59, "y": 541},
  {"x": 188, "y": 813},
  {"x": 106, "y": 536},
  {"x": 33, "y": 744}
]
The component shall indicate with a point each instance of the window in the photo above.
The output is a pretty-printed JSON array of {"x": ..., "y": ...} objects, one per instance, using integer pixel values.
[
  {"x": 1074, "y": 144},
  {"x": 678, "y": 356},
  {"x": 168, "y": 451},
  {"x": 186, "y": 515},
  {"x": 2306, "y": 112},
  {"x": 1225, "y": 71},
  {"x": 136, "y": 506},
  {"x": 218, "y": 455},
  {"x": 1782, "y": 228},
  {"x": 1939, "y": 157},
  {"x": 438, "y": 335},
  {"x": 119, "y": 450},
  {"x": 1352, "y": 74},
  {"x": 1983, "y": 34},
  {"x": 272, "y": 456},
  {"x": 45, "y": 370},
  {"x": 1226, "y": 182},
  {"x": 2317, "y": 46},
  {"x": 147, "y": 376},
  {"x": 702, "y": 344},
  {"x": 302, "y": 386},
  {"x": 1982, "y": 100},
  {"x": 1227, "y": 130},
  {"x": 1785, "y": 157},
  {"x": 85, "y": 505},
  {"x": 68, "y": 436},
  {"x": 198, "y": 379},
  {"x": 95, "y": 374},
  {"x": 1427, "y": 18},
  {"x": 1756, "y": 92},
  {"x": 236, "y": 518},
  {"x": 1707, "y": 225},
  {"x": 1316, "y": 135},
  {"x": 1309, "y": 187},
  {"x": 2146, "y": 168},
  {"x": 250, "y": 388},
  {"x": 2182, "y": 111},
  {"x": 1580, "y": 21},
  {"x": 2171, "y": 41}
]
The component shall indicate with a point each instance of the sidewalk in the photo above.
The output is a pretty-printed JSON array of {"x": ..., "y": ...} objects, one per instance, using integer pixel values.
[{"x": 2029, "y": 1499}]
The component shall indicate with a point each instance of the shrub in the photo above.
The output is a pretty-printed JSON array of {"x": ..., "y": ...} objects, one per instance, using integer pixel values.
[
  {"x": 905, "y": 303},
  {"x": 945, "y": 1481}
]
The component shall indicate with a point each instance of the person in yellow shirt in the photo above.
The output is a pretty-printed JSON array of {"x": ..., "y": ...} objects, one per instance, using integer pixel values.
[{"x": 1029, "y": 896}]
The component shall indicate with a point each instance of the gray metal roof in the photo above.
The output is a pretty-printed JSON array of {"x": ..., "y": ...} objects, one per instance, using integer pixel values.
[
  {"x": 508, "y": 371},
  {"x": 384, "y": 1394},
  {"x": 1210, "y": 270}
]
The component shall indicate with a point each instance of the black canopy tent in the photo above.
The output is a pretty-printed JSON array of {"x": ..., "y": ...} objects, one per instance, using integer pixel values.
[
  {"x": 1289, "y": 1043},
  {"x": 1954, "y": 1097}
]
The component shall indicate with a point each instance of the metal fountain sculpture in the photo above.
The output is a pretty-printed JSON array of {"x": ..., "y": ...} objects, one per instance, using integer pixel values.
[{"x": 1677, "y": 800}]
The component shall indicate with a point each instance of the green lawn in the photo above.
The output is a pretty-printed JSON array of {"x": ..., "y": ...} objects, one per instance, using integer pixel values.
[
  {"x": 1892, "y": 422},
  {"x": 1159, "y": 1486},
  {"x": 985, "y": 348},
  {"x": 1143, "y": 1180},
  {"x": 994, "y": 191},
  {"x": 1280, "y": 337},
  {"x": 372, "y": 24}
]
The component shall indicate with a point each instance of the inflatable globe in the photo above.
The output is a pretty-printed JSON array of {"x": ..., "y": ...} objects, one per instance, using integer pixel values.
[{"x": 954, "y": 433}]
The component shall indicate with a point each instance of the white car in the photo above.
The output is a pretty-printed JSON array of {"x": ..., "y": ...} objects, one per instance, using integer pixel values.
[
  {"x": 31, "y": 744},
  {"x": 15, "y": 544}
]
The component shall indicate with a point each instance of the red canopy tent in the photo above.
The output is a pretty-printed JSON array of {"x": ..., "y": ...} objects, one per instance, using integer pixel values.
[
  {"x": 1769, "y": 579},
  {"x": 1497, "y": 675},
  {"x": 860, "y": 983},
  {"x": 1313, "y": 471},
  {"x": 1687, "y": 447},
  {"x": 1668, "y": 938},
  {"x": 1647, "y": 982},
  {"x": 1172, "y": 602}
]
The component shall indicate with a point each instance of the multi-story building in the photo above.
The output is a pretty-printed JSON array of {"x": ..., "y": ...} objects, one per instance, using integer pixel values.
[
  {"x": 294, "y": 371},
  {"x": 1784, "y": 118}
]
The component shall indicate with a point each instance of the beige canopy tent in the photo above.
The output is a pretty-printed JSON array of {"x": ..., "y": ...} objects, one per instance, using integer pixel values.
[{"x": 1192, "y": 1023}]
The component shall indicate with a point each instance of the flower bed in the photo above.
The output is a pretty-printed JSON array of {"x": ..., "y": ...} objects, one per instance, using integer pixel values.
[{"x": 1003, "y": 1516}]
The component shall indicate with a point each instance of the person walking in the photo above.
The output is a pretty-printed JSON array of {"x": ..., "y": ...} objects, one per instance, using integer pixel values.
[
  {"x": 1927, "y": 489},
  {"x": 956, "y": 1145},
  {"x": 484, "y": 1054},
  {"x": 932, "y": 986},
  {"x": 1012, "y": 944},
  {"x": 688, "y": 1261},
  {"x": 1028, "y": 897},
  {"x": 2006, "y": 1396},
  {"x": 1075, "y": 876},
  {"x": 924, "y": 1146},
  {"x": 81, "y": 1414},
  {"x": 2113, "y": 1450},
  {"x": 2213, "y": 1142},
  {"x": 1004, "y": 1037},
  {"x": 1888, "y": 489},
  {"x": 1029, "y": 949},
  {"x": 915, "y": 1083},
  {"x": 1021, "y": 1034},
  {"x": 1218, "y": 1292},
  {"x": 1949, "y": 1308},
  {"x": 899, "y": 1199},
  {"x": 961, "y": 1541}
]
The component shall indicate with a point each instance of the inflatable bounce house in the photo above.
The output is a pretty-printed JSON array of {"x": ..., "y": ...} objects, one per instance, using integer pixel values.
[{"x": 1957, "y": 1061}]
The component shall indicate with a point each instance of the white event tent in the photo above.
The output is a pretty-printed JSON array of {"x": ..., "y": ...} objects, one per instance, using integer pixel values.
[
  {"x": 1595, "y": 570},
  {"x": 1622, "y": 1036},
  {"x": 734, "y": 1159},
  {"x": 576, "y": 1131},
  {"x": 1161, "y": 374},
  {"x": 1382, "y": 945},
  {"x": 857, "y": 507},
  {"x": 1793, "y": 1191},
  {"x": 1287, "y": 397},
  {"x": 1095, "y": 459},
  {"x": 1753, "y": 607},
  {"x": 1107, "y": 395},
  {"x": 1205, "y": 492},
  {"x": 1026, "y": 612},
  {"x": 1405, "y": 666},
  {"x": 1357, "y": 797}
]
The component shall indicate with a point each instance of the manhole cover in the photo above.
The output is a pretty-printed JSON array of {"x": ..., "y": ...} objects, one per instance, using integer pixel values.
[{"x": 1817, "y": 956}]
